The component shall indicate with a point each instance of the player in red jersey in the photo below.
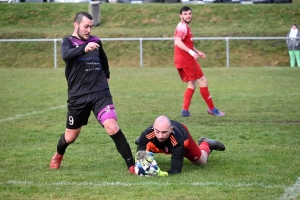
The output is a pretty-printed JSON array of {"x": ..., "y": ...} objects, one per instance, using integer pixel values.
[
  {"x": 185, "y": 60},
  {"x": 172, "y": 137}
]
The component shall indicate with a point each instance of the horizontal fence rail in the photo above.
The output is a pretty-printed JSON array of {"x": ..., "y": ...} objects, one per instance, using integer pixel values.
[{"x": 226, "y": 39}]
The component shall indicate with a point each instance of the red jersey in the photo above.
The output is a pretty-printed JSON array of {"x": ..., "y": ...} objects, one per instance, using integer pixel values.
[{"x": 182, "y": 58}]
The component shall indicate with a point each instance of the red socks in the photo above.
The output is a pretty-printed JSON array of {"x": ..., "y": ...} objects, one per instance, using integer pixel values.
[
  {"x": 206, "y": 96},
  {"x": 187, "y": 98},
  {"x": 204, "y": 146}
]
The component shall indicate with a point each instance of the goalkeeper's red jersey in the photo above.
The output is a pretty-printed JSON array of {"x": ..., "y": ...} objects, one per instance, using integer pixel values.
[{"x": 182, "y": 58}]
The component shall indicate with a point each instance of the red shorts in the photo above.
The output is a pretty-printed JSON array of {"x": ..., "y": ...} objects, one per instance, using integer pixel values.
[
  {"x": 190, "y": 73},
  {"x": 192, "y": 151}
]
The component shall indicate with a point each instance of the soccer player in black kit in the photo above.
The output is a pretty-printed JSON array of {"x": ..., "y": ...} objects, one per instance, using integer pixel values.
[
  {"x": 173, "y": 138},
  {"x": 87, "y": 73}
]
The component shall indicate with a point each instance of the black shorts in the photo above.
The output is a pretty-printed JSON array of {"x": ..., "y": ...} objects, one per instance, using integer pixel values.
[{"x": 79, "y": 108}]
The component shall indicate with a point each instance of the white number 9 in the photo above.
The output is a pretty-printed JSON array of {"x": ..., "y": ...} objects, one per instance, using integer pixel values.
[{"x": 71, "y": 120}]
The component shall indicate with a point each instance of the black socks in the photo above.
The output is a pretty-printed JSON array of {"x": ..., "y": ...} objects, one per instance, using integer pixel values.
[
  {"x": 120, "y": 142},
  {"x": 123, "y": 147},
  {"x": 62, "y": 145}
]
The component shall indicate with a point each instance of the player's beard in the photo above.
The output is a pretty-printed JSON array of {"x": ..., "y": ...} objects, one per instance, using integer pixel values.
[
  {"x": 161, "y": 140},
  {"x": 82, "y": 36},
  {"x": 186, "y": 21}
]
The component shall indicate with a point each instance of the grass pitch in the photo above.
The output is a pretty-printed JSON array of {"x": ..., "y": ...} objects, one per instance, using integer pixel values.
[{"x": 260, "y": 131}]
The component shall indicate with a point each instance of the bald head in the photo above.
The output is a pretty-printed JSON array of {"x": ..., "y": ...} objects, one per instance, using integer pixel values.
[
  {"x": 162, "y": 127},
  {"x": 162, "y": 121}
]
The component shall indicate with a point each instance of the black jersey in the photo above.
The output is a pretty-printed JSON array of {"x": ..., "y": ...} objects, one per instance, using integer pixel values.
[
  {"x": 85, "y": 72},
  {"x": 174, "y": 145}
]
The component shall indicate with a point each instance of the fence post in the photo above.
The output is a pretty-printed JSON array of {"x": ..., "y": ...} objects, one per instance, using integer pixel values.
[
  {"x": 141, "y": 52},
  {"x": 227, "y": 51},
  {"x": 55, "y": 56}
]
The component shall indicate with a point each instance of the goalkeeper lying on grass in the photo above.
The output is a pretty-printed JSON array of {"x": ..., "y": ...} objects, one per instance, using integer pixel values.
[{"x": 172, "y": 137}]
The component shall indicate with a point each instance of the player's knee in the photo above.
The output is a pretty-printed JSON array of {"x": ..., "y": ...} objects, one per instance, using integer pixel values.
[
  {"x": 111, "y": 126},
  {"x": 200, "y": 161},
  {"x": 71, "y": 135},
  {"x": 192, "y": 84},
  {"x": 202, "y": 81}
]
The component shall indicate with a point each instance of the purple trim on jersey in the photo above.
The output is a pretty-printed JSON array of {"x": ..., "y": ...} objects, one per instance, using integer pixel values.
[
  {"x": 77, "y": 42},
  {"x": 107, "y": 112}
]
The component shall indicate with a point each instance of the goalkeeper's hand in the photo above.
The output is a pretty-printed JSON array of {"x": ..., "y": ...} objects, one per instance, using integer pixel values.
[
  {"x": 144, "y": 155},
  {"x": 161, "y": 173},
  {"x": 157, "y": 172},
  {"x": 146, "y": 159}
]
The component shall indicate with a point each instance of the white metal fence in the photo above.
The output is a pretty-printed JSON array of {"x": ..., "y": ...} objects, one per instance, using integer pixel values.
[{"x": 226, "y": 39}]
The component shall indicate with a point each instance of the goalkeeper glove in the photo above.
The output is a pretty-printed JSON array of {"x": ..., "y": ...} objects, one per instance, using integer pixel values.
[
  {"x": 161, "y": 173},
  {"x": 144, "y": 156}
]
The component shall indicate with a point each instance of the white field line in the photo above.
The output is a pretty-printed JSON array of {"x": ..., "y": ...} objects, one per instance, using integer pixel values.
[
  {"x": 31, "y": 113},
  {"x": 292, "y": 192},
  {"x": 147, "y": 183}
]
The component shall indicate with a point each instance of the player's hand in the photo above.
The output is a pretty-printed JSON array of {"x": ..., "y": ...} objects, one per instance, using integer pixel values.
[
  {"x": 151, "y": 154},
  {"x": 161, "y": 173},
  {"x": 91, "y": 46},
  {"x": 201, "y": 54},
  {"x": 144, "y": 155}
]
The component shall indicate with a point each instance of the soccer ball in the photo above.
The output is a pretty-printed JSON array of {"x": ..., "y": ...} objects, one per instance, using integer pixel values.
[
  {"x": 146, "y": 169},
  {"x": 146, "y": 165}
]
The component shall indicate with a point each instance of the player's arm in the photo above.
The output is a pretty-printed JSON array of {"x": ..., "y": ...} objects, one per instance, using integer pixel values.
[
  {"x": 177, "y": 159},
  {"x": 104, "y": 60},
  {"x": 143, "y": 141},
  {"x": 179, "y": 43},
  {"x": 68, "y": 52},
  {"x": 176, "y": 162}
]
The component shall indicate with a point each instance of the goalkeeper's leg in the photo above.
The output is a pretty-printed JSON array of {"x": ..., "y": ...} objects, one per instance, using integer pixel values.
[
  {"x": 206, "y": 146},
  {"x": 197, "y": 155}
]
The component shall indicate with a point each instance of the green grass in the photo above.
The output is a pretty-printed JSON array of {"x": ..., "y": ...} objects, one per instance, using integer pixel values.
[
  {"x": 260, "y": 131},
  {"x": 54, "y": 20}
]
